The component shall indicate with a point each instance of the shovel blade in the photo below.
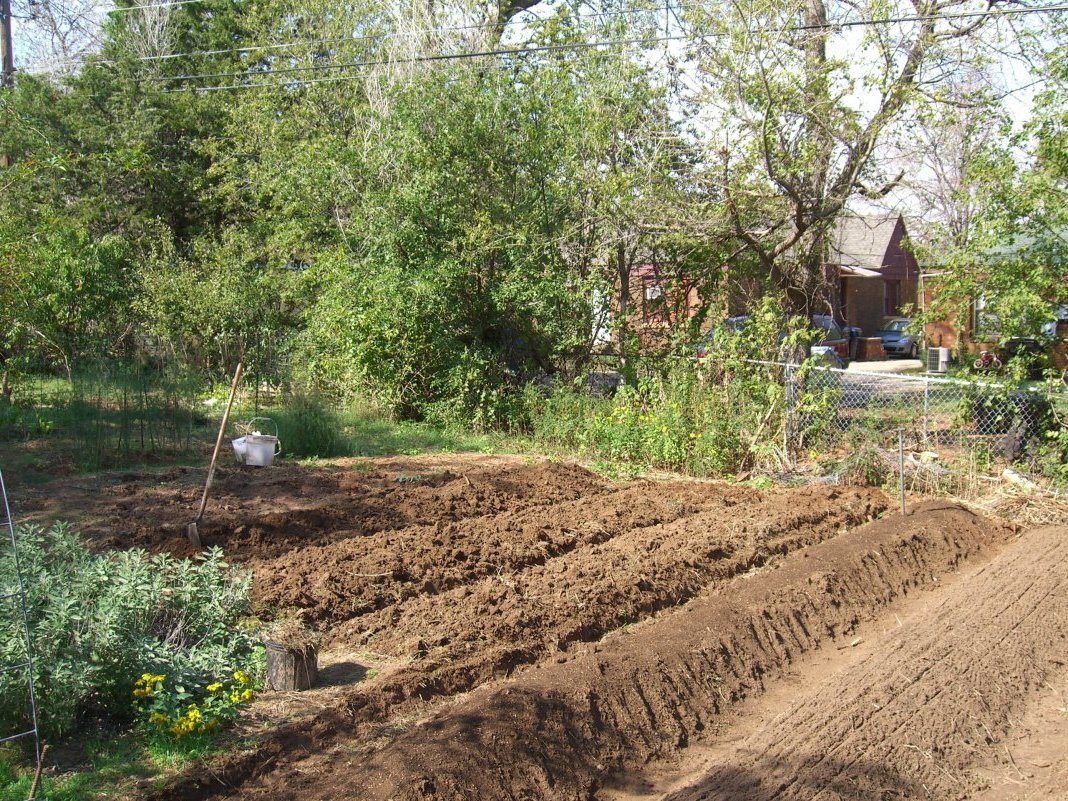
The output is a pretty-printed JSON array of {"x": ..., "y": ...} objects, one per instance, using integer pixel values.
[{"x": 194, "y": 535}]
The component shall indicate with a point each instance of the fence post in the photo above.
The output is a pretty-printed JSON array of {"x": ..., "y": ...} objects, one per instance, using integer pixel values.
[
  {"x": 901, "y": 465},
  {"x": 926, "y": 407},
  {"x": 790, "y": 403}
]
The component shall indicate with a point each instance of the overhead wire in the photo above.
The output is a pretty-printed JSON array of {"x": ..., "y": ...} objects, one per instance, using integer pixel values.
[
  {"x": 392, "y": 34},
  {"x": 410, "y": 60},
  {"x": 377, "y": 36},
  {"x": 571, "y": 46},
  {"x": 669, "y": 8},
  {"x": 427, "y": 58}
]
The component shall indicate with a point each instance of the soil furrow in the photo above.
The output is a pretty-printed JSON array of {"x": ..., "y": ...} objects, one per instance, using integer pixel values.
[
  {"x": 914, "y": 717},
  {"x": 563, "y": 731},
  {"x": 353, "y": 577}
]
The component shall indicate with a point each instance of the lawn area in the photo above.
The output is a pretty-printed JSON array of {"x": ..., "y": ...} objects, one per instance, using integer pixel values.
[{"x": 54, "y": 427}]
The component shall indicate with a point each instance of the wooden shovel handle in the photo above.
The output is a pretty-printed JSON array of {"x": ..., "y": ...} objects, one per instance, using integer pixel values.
[{"x": 218, "y": 443}]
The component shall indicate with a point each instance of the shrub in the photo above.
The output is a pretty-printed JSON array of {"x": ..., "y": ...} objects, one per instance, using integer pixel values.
[
  {"x": 713, "y": 419},
  {"x": 308, "y": 427},
  {"x": 99, "y": 621},
  {"x": 170, "y": 710}
]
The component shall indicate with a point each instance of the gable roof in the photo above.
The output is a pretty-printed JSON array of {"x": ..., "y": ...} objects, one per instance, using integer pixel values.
[{"x": 862, "y": 241}]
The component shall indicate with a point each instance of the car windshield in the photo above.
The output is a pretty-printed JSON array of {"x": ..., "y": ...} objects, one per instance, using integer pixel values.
[
  {"x": 896, "y": 325},
  {"x": 826, "y": 326}
]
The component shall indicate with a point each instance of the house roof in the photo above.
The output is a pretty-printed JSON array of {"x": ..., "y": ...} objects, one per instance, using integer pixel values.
[
  {"x": 1024, "y": 244},
  {"x": 862, "y": 241}
]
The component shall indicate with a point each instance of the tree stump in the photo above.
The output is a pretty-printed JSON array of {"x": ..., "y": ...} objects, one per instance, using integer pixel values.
[{"x": 291, "y": 667}]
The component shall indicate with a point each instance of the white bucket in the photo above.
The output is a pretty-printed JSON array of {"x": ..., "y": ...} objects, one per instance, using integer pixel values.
[
  {"x": 256, "y": 449},
  {"x": 261, "y": 449}
]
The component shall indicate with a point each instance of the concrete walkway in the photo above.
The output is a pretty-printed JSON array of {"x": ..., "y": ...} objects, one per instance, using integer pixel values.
[{"x": 889, "y": 366}]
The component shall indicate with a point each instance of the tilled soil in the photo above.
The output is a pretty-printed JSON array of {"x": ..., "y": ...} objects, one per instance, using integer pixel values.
[
  {"x": 256, "y": 513},
  {"x": 565, "y": 731},
  {"x": 544, "y": 632},
  {"x": 914, "y": 718}
]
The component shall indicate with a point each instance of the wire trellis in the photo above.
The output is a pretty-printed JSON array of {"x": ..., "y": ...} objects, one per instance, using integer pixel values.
[{"x": 17, "y": 593}]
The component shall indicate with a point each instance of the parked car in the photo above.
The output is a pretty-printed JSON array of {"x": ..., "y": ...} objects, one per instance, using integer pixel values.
[
  {"x": 1032, "y": 352},
  {"x": 898, "y": 340},
  {"x": 829, "y": 344}
]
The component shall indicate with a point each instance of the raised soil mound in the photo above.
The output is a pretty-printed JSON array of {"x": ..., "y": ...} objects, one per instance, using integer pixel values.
[
  {"x": 914, "y": 718},
  {"x": 565, "y": 731}
]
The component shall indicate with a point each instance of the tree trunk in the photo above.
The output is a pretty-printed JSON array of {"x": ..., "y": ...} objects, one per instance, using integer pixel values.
[{"x": 291, "y": 667}]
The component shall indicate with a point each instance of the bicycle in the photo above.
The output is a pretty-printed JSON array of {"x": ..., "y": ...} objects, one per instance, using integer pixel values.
[{"x": 988, "y": 360}]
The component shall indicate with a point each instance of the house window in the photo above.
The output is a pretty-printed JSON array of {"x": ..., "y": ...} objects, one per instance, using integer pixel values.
[
  {"x": 892, "y": 295},
  {"x": 984, "y": 322},
  {"x": 653, "y": 295}
]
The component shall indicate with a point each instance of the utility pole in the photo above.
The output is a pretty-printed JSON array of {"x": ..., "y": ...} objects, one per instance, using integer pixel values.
[
  {"x": 7, "y": 55},
  {"x": 7, "y": 66}
]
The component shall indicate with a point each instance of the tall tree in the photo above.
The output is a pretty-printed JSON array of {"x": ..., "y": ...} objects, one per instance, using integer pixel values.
[{"x": 801, "y": 104}]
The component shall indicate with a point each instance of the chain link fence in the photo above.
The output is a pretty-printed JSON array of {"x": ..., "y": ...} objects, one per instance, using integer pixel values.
[{"x": 947, "y": 425}]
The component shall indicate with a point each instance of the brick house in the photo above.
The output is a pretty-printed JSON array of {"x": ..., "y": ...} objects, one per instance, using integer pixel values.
[
  {"x": 659, "y": 301},
  {"x": 973, "y": 327},
  {"x": 877, "y": 276},
  {"x": 873, "y": 276}
]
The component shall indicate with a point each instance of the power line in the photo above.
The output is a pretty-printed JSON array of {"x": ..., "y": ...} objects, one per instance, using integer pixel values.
[
  {"x": 588, "y": 45},
  {"x": 947, "y": 15},
  {"x": 378, "y": 36},
  {"x": 415, "y": 59},
  {"x": 599, "y": 15},
  {"x": 410, "y": 60},
  {"x": 486, "y": 26}
]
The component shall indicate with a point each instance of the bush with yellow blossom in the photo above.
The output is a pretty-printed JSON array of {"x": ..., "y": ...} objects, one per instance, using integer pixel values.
[{"x": 175, "y": 711}]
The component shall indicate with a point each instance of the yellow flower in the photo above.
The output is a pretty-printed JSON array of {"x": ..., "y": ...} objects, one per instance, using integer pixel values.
[
  {"x": 157, "y": 718},
  {"x": 235, "y": 697},
  {"x": 241, "y": 676},
  {"x": 246, "y": 695},
  {"x": 214, "y": 687},
  {"x": 146, "y": 677}
]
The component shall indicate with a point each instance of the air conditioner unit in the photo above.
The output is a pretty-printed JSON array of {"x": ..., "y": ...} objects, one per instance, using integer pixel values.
[{"x": 937, "y": 360}]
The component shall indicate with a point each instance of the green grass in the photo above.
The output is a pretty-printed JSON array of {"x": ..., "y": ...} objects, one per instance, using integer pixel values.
[
  {"x": 105, "y": 417},
  {"x": 107, "y": 765},
  {"x": 126, "y": 419},
  {"x": 313, "y": 428}
]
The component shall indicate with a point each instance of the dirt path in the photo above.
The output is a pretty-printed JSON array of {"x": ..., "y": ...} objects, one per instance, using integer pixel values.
[
  {"x": 1032, "y": 764},
  {"x": 921, "y": 713}
]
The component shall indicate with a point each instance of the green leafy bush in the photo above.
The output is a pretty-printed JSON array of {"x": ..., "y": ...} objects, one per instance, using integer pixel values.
[
  {"x": 704, "y": 420},
  {"x": 170, "y": 710},
  {"x": 99, "y": 621},
  {"x": 307, "y": 426}
]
